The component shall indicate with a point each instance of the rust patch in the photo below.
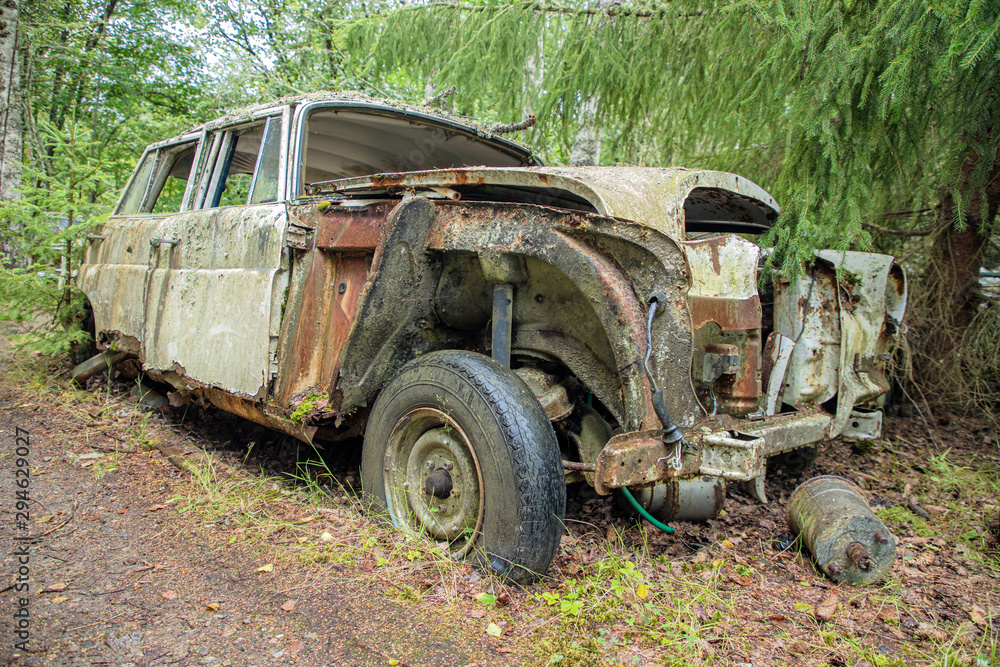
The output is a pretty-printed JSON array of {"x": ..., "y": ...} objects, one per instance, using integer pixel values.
[
  {"x": 637, "y": 458},
  {"x": 329, "y": 302},
  {"x": 740, "y": 393},
  {"x": 351, "y": 228},
  {"x": 729, "y": 313},
  {"x": 259, "y": 414}
]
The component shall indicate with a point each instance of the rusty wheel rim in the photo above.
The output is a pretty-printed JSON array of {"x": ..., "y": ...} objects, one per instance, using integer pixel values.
[{"x": 433, "y": 481}]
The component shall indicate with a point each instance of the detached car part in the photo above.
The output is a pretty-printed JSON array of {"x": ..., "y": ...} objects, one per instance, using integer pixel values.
[{"x": 849, "y": 543}]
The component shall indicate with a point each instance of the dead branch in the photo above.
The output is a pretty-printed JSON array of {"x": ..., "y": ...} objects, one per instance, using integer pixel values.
[
  {"x": 513, "y": 127},
  {"x": 927, "y": 231},
  {"x": 439, "y": 99}
]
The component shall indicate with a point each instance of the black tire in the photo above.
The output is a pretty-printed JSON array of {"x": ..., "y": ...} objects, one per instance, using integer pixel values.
[{"x": 460, "y": 420}]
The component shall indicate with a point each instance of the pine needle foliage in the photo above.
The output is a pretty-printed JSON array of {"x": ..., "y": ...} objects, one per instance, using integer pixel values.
[{"x": 845, "y": 109}]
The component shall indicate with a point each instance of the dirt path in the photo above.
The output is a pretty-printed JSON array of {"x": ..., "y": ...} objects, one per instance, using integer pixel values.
[
  {"x": 119, "y": 577},
  {"x": 240, "y": 562}
]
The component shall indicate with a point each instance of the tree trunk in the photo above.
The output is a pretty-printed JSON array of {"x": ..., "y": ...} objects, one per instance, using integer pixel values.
[
  {"x": 961, "y": 252},
  {"x": 949, "y": 296},
  {"x": 586, "y": 148},
  {"x": 10, "y": 104},
  {"x": 12, "y": 137}
]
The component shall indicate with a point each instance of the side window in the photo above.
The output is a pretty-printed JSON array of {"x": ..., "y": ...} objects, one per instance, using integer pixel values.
[
  {"x": 265, "y": 182},
  {"x": 241, "y": 166},
  {"x": 137, "y": 188},
  {"x": 237, "y": 175},
  {"x": 160, "y": 181},
  {"x": 170, "y": 184}
]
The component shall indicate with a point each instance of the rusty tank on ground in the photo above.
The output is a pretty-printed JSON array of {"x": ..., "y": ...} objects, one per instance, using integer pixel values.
[
  {"x": 848, "y": 542},
  {"x": 331, "y": 266}
]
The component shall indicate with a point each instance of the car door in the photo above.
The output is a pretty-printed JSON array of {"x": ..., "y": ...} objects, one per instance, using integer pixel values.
[
  {"x": 116, "y": 265},
  {"x": 219, "y": 268}
]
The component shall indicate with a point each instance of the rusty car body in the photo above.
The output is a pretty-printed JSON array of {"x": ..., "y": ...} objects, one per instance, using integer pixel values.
[{"x": 287, "y": 262}]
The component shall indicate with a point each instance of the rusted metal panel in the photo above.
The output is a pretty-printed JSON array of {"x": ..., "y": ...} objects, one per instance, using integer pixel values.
[
  {"x": 259, "y": 413},
  {"x": 806, "y": 311},
  {"x": 651, "y": 196},
  {"x": 567, "y": 243},
  {"x": 862, "y": 302},
  {"x": 637, "y": 458},
  {"x": 732, "y": 314},
  {"x": 837, "y": 317},
  {"x": 211, "y": 311},
  {"x": 326, "y": 309},
  {"x": 351, "y": 228},
  {"x": 393, "y": 321},
  {"x": 724, "y": 293}
]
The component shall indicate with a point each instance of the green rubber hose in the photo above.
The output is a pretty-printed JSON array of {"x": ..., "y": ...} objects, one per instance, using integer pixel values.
[{"x": 644, "y": 514}]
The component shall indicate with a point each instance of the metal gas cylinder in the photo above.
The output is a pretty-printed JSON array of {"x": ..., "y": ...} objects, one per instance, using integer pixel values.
[
  {"x": 848, "y": 542},
  {"x": 692, "y": 499}
]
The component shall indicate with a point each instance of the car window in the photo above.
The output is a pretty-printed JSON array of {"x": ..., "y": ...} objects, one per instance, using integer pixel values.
[
  {"x": 265, "y": 183},
  {"x": 342, "y": 144},
  {"x": 170, "y": 183},
  {"x": 241, "y": 166},
  {"x": 160, "y": 180},
  {"x": 137, "y": 188}
]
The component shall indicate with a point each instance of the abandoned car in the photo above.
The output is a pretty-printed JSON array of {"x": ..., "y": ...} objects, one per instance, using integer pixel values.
[{"x": 333, "y": 266}]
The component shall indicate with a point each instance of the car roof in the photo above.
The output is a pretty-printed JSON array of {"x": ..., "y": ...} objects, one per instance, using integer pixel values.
[{"x": 379, "y": 106}]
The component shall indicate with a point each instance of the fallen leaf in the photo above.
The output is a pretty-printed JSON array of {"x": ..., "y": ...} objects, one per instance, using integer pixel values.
[
  {"x": 212, "y": 606},
  {"x": 930, "y": 631},
  {"x": 301, "y": 540},
  {"x": 155, "y": 508},
  {"x": 393, "y": 662},
  {"x": 487, "y": 599},
  {"x": 288, "y": 606},
  {"x": 804, "y": 607},
  {"x": 641, "y": 591},
  {"x": 827, "y": 608},
  {"x": 61, "y": 586},
  {"x": 700, "y": 557},
  {"x": 45, "y": 519},
  {"x": 169, "y": 595},
  {"x": 478, "y": 612},
  {"x": 493, "y": 630},
  {"x": 326, "y": 536},
  {"x": 266, "y": 568},
  {"x": 977, "y": 614},
  {"x": 59, "y": 599}
]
